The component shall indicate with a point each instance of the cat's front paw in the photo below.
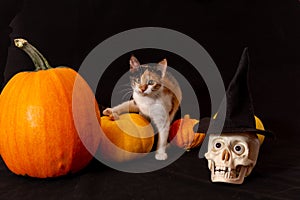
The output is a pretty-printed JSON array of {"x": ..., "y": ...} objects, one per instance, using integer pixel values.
[
  {"x": 161, "y": 156},
  {"x": 109, "y": 112}
]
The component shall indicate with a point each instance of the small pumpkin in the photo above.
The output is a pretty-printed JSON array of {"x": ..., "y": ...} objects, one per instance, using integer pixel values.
[
  {"x": 38, "y": 135},
  {"x": 128, "y": 138},
  {"x": 182, "y": 133}
]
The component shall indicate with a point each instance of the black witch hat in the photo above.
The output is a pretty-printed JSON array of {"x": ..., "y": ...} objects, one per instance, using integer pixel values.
[{"x": 239, "y": 114}]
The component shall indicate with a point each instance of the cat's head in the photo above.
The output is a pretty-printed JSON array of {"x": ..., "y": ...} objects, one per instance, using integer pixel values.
[{"x": 146, "y": 79}]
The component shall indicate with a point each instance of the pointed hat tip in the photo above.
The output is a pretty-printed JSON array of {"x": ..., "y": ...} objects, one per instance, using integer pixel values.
[{"x": 245, "y": 51}]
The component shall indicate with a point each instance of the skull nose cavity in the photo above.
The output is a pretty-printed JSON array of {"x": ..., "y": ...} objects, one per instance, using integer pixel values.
[{"x": 225, "y": 155}]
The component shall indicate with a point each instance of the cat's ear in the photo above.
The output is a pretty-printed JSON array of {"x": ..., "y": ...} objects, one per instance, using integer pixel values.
[
  {"x": 134, "y": 63},
  {"x": 164, "y": 65}
]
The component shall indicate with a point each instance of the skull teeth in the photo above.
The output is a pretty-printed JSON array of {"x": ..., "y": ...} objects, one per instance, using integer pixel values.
[{"x": 227, "y": 172}]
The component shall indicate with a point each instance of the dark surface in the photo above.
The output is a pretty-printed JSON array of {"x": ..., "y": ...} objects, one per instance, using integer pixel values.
[{"x": 66, "y": 31}]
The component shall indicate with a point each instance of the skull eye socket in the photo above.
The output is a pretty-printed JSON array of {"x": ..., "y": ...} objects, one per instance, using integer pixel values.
[
  {"x": 218, "y": 145},
  {"x": 239, "y": 149}
]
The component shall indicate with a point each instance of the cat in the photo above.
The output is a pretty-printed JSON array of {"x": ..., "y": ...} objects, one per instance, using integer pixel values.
[{"x": 156, "y": 95}]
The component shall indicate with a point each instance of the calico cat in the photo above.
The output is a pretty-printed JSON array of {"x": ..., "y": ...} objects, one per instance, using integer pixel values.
[{"x": 156, "y": 95}]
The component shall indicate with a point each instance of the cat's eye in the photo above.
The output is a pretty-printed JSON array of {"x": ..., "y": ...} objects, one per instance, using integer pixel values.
[
  {"x": 150, "y": 82},
  {"x": 137, "y": 80}
]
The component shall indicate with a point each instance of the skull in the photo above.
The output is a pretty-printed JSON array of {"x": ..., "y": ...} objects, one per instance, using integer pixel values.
[{"x": 232, "y": 156}]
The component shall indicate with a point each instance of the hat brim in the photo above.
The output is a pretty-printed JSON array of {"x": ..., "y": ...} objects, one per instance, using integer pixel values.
[{"x": 205, "y": 122}]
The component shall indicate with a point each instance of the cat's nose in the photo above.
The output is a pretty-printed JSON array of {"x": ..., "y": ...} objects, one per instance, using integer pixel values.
[{"x": 143, "y": 88}]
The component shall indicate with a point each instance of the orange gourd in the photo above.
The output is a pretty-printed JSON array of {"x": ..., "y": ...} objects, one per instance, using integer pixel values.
[
  {"x": 182, "y": 134},
  {"x": 128, "y": 138},
  {"x": 38, "y": 134}
]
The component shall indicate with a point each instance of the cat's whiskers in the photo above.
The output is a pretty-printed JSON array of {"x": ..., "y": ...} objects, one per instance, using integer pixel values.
[
  {"x": 125, "y": 90},
  {"x": 127, "y": 96},
  {"x": 127, "y": 93}
]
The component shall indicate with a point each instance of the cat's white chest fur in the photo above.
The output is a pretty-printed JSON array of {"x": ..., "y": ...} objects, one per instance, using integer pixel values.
[{"x": 154, "y": 106}]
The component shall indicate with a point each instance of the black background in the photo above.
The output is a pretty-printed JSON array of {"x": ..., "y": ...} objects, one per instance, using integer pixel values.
[{"x": 66, "y": 31}]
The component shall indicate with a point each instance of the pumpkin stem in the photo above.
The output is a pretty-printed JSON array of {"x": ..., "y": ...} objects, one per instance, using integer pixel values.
[
  {"x": 37, "y": 58},
  {"x": 187, "y": 116}
]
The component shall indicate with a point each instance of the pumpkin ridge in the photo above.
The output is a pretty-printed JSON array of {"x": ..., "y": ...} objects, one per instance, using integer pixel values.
[
  {"x": 81, "y": 85},
  {"x": 5, "y": 105},
  {"x": 37, "y": 128},
  {"x": 44, "y": 93},
  {"x": 77, "y": 143},
  {"x": 56, "y": 78},
  {"x": 41, "y": 82},
  {"x": 23, "y": 152},
  {"x": 6, "y": 151},
  {"x": 28, "y": 134},
  {"x": 22, "y": 91}
]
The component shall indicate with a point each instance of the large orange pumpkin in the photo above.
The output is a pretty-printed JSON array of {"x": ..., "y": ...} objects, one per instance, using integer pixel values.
[
  {"x": 130, "y": 137},
  {"x": 38, "y": 136},
  {"x": 182, "y": 134}
]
